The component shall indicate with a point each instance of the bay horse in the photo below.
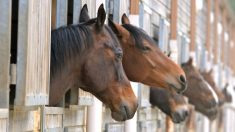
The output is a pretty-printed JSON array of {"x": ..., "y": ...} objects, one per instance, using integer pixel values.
[
  {"x": 208, "y": 77},
  {"x": 89, "y": 56},
  {"x": 142, "y": 60},
  {"x": 172, "y": 104},
  {"x": 199, "y": 92}
]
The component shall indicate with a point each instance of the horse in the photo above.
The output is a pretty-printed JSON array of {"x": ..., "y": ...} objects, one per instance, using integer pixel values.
[
  {"x": 142, "y": 60},
  {"x": 89, "y": 56},
  {"x": 199, "y": 92},
  {"x": 208, "y": 77},
  {"x": 172, "y": 104}
]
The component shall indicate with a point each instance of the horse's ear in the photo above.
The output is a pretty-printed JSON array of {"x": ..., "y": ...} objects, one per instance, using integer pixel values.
[
  {"x": 169, "y": 54},
  {"x": 190, "y": 61},
  {"x": 210, "y": 72},
  {"x": 84, "y": 17},
  {"x": 101, "y": 15},
  {"x": 125, "y": 19},
  {"x": 114, "y": 27},
  {"x": 226, "y": 86}
]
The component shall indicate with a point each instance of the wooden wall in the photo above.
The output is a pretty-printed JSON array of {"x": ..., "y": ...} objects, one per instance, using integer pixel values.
[{"x": 33, "y": 57}]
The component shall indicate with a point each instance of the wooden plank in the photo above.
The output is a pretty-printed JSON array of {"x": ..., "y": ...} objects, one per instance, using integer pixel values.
[
  {"x": 74, "y": 117},
  {"x": 114, "y": 127},
  {"x": 169, "y": 125},
  {"x": 54, "y": 110},
  {"x": 33, "y": 57},
  {"x": 77, "y": 5},
  {"x": 4, "y": 114},
  {"x": 193, "y": 26},
  {"x": 216, "y": 8},
  {"x": 54, "y": 130},
  {"x": 208, "y": 26},
  {"x": 183, "y": 16},
  {"x": 173, "y": 22},
  {"x": 52, "y": 119},
  {"x": 134, "y": 7},
  {"x": 147, "y": 113},
  {"x": 24, "y": 120},
  {"x": 75, "y": 129},
  {"x": 5, "y": 40},
  {"x": 59, "y": 13},
  {"x": 143, "y": 95},
  {"x": 85, "y": 98},
  {"x": 13, "y": 73},
  {"x": 223, "y": 43},
  {"x": 147, "y": 126}
]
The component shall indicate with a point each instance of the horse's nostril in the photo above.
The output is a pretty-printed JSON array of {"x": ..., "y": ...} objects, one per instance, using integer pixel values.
[
  {"x": 126, "y": 110},
  {"x": 182, "y": 79},
  {"x": 186, "y": 113}
]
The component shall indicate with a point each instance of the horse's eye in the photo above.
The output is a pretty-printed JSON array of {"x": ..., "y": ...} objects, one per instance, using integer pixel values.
[
  {"x": 147, "y": 48},
  {"x": 119, "y": 55}
]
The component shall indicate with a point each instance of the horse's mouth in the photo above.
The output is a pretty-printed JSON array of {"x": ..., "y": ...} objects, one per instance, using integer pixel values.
[
  {"x": 177, "y": 118},
  {"x": 178, "y": 90},
  {"x": 123, "y": 114}
]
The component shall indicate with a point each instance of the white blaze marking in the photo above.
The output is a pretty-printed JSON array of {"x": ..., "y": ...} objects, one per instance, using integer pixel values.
[{"x": 213, "y": 93}]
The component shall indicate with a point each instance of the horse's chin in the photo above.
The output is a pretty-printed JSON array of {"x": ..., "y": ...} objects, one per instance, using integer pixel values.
[
  {"x": 212, "y": 114},
  {"x": 176, "y": 118},
  {"x": 119, "y": 116}
]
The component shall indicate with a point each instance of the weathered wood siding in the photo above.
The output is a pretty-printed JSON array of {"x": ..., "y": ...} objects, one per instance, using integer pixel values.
[
  {"x": 24, "y": 120},
  {"x": 52, "y": 119},
  {"x": 5, "y": 40},
  {"x": 4, "y": 114},
  {"x": 183, "y": 19},
  {"x": 33, "y": 57}
]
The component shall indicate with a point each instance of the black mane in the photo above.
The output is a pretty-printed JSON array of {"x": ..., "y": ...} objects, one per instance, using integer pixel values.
[
  {"x": 139, "y": 36},
  {"x": 68, "y": 42}
]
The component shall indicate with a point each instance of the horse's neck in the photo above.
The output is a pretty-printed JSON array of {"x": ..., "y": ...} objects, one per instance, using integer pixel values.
[{"x": 63, "y": 81}]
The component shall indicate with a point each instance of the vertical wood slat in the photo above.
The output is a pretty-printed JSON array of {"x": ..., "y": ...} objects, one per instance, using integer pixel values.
[
  {"x": 193, "y": 25},
  {"x": 223, "y": 41},
  {"x": 169, "y": 125},
  {"x": 33, "y": 57},
  {"x": 174, "y": 32},
  {"x": 77, "y": 5},
  {"x": 229, "y": 46},
  {"x": 215, "y": 53},
  {"x": 208, "y": 25},
  {"x": 59, "y": 13},
  {"x": 134, "y": 7},
  {"x": 173, "y": 25},
  {"x": 5, "y": 40},
  {"x": 183, "y": 18},
  {"x": 232, "y": 50}
]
